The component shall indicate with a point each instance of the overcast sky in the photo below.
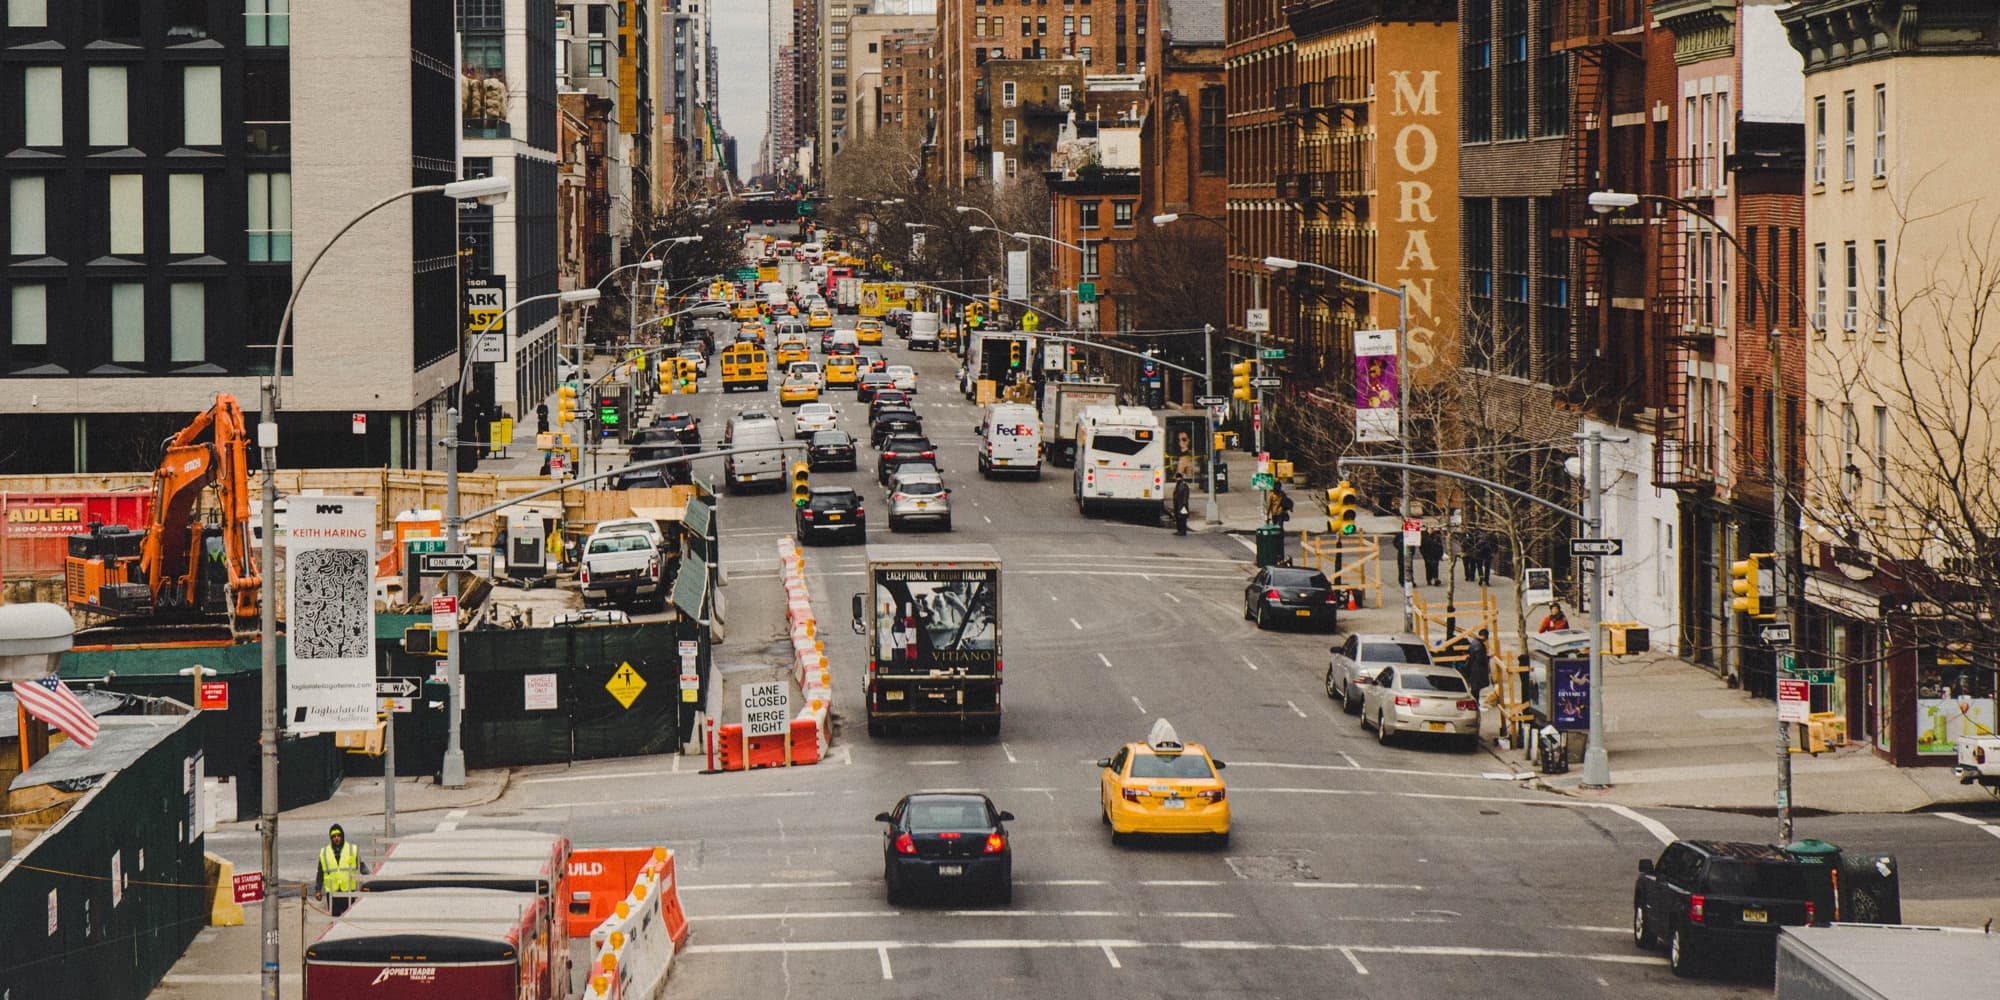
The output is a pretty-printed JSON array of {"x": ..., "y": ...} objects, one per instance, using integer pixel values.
[{"x": 740, "y": 38}]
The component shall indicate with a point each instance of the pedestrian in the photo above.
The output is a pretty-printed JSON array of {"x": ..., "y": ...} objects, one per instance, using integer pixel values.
[
  {"x": 1431, "y": 548},
  {"x": 1180, "y": 505},
  {"x": 1277, "y": 506},
  {"x": 542, "y": 419},
  {"x": 1555, "y": 621},
  {"x": 1462, "y": 543},
  {"x": 339, "y": 867},
  {"x": 1488, "y": 542},
  {"x": 1478, "y": 664}
]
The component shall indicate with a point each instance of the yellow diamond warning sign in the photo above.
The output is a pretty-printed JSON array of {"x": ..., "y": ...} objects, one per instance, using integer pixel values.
[{"x": 625, "y": 685}]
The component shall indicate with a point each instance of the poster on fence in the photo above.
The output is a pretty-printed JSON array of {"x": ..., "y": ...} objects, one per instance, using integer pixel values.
[
  {"x": 330, "y": 614},
  {"x": 1375, "y": 386}
]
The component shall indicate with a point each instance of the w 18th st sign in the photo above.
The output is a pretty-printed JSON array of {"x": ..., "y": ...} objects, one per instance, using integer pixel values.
[{"x": 486, "y": 303}]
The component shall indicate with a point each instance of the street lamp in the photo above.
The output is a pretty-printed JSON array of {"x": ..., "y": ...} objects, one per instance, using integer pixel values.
[
  {"x": 962, "y": 209},
  {"x": 486, "y": 191},
  {"x": 1403, "y": 405}
]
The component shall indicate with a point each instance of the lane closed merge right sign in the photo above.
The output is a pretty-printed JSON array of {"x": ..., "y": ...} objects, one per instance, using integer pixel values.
[{"x": 767, "y": 708}]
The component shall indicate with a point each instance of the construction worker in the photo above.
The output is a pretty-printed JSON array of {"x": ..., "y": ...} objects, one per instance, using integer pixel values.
[{"x": 340, "y": 869}]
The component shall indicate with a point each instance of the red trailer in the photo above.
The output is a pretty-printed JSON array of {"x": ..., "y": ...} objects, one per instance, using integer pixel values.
[
  {"x": 504, "y": 860},
  {"x": 423, "y": 944}
]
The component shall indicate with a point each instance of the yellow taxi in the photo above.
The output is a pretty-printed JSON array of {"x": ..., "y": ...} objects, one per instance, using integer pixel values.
[
  {"x": 820, "y": 318},
  {"x": 842, "y": 370},
  {"x": 793, "y": 349},
  {"x": 798, "y": 388},
  {"x": 1163, "y": 786},
  {"x": 745, "y": 309},
  {"x": 868, "y": 331},
  {"x": 753, "y": 332}
]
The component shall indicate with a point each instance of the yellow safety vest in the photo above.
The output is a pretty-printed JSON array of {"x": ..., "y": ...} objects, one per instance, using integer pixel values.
[{"x": 338, "y": 874}]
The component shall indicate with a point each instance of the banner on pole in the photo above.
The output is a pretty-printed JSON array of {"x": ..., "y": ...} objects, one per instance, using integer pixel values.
[
  {"x": 1017, "y": 275},
  {"x": 330, "y": 614},
  {"x": 1376, "y": 386}
]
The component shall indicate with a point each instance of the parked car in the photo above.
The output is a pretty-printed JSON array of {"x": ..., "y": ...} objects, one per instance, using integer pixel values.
[
  {"x": 1355, "y": 662},
  {"x": 902, "y": 448},
  {"x": 813, "y": 418},
  {"x": 831, "y": 449},
  {"x": 918, "y": 493},
  {"x": 889, "y": 423},
  {"x": 621, "y": 564},
  {"x": 1289, "y": 594},
  {"x": 951, "y": 843},
  {"x": 1421, "y": 699},
  {"x": 1704, "y": 898},
  {"x": 832, "y": 511}
]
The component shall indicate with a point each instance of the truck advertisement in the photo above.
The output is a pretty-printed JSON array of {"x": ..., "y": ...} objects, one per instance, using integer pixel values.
[
  {"x": 932, "y": 617},
  {"x": 878, "y": 297}
]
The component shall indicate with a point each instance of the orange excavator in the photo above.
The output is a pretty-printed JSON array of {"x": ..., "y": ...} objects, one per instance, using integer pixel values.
[{"x": 191, "y": 564}]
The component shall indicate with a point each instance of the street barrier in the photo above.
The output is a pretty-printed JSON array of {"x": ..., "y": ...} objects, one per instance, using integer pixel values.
[
  {"x": 811, "y": 728},
  {"x": 633, "y": 950}
]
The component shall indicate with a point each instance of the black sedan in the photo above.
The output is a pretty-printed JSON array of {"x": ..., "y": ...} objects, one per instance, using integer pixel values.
[
  {"x": 685, "y": 426},
  {"x": 1290, "y": 594},
  {"x": 830, "y": 450},
  {"x": 951, "y": 843},
  {"x": 889, "y": 398},
  {"x": 892, "y": 422},
  {"x": 869, "y": 383},
  {"x": 834, "y": 511},
  {"x": 901, "y": 449}
]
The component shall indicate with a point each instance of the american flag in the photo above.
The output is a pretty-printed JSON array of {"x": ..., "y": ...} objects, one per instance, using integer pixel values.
[{"x": 51, "y": 701}]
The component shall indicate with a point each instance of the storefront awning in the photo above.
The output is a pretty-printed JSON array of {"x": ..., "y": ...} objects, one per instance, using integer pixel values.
[{"x": 1843, "y": 598}]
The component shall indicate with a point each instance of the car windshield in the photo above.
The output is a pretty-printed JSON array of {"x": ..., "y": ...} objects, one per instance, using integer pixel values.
[
  {"x": 1395, "y": 652},
  {"x": 620, "y": 543},
  {"x": 1443, "y": 683},
  {"x": 1770, "y": 879},
  {"x": 1180, "y": 765},
  {"x": 944, "y": 815}
]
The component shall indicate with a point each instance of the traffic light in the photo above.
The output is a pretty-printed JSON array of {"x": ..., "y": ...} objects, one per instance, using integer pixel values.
[
  {"x": 973, "y": 315},
  {"x": 1746, "y": 582},
  {"x": 659, "y": 295},
  {"x": 565, "y": 404},
  {"x": 993, "y": 304},
  {"x": 801, "y": 486},
  {"x": 1240, "y": 374},
  {"x": 1013, "y": 354},
  {"x": 1341, "y": 512}
]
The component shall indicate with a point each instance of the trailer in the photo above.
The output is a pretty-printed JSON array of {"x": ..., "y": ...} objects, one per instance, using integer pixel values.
[
  {"x": 1884, "y": 962},
  {"x": 418, "y": 944}
]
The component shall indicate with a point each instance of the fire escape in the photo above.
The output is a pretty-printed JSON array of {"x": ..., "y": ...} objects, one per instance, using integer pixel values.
[
  {"x": 1682, "y": 317},
  {"x": 1327, "y": 173}
]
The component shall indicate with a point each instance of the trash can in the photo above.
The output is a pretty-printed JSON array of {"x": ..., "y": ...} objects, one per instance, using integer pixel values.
[
  {"x": 1222, "y": 477},
  {"x": 1270, "y": 544},
  {"x": 1821, "y": 861}
]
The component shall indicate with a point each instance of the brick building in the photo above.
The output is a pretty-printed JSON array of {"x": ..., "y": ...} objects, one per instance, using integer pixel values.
[
  {"x": 1020, "y": 106},
  {"x": 909, "y": 81},
  {"x": 1258, "y": 64}
]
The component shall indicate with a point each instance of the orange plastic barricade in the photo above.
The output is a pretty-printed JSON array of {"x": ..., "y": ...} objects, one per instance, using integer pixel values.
[
  {"x": 805, "y": 741},
  {"x": 670, "y": 898},
  {"x": 598, "y": 878}
]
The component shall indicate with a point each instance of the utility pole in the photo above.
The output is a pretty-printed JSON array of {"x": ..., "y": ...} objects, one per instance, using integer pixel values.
[
  {"x": 1596, "y": 762},
  {"x": 1781, "y": 581},
  {"x": 1214, "y": 513}
]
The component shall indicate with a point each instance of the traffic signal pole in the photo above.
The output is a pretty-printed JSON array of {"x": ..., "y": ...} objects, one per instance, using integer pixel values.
[{"x": 1781, "y": 582}]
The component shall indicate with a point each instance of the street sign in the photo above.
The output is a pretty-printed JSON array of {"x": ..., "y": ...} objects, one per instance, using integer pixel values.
[
  {"x": 1257, "y": 320},
  {"x": 1267, "y": 381},
  {"x": 1794, "y": 700},
  {"x": 438, "y": 563},
  {"x": 214, "y": 696},
  {"x": 767, "y": 709},
  {"x": 247, "y": 887},
  {"x": 1086, "y": 291},
  {"x": 1086, "y": 315},
  {"x": 625, "y": 684},
  {"x": 1211, "y": 400},
  {"x": 1597, "y": 546},
  {"x": 1777, "y": 635},
  {"x": 1272, "y": 353},
  {"x": 444, "y": 613},
  {"x": 397, "y": 687},
  {"x": 395, "y": 705},
  {"x": 1262, "y": 481},
  {"x": 1413, "y": 533},
  {"x": 358, "y": 423}
]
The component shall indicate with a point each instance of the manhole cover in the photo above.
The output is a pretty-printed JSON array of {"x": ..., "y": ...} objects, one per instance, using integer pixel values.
[{"x": 1270, "y": 868}]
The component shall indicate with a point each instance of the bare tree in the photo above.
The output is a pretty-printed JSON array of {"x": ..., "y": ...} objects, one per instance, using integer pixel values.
[{"x": 1175, "y": 268}]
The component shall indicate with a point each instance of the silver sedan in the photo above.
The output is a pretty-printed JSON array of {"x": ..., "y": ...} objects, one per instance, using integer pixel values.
[
  {"x": 1355, "y": 662},
  {"x": 1421, "y": 699}
]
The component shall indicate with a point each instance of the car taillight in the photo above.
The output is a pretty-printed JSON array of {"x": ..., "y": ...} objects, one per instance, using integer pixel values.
[
  {"x": 1272, "y": 594},
  {"x": 1809, "y": 911},
  {"x": 807, "y": 514},
  {"x": 858, "y": 512},
  {"x": 1979, "y": 755},
  {"x": 653, "y": 569},
  {"x": 1332, "y": 597},
  {"x": 1697, "y": 908},
  {"x": 904, "y": 845},
  {"x": 995, "y": 843},
  {"x": 1131, "y": 794},
  {"x": 1467, "y": 705},
  {"x": 1214, "y": 795},
  {"x": 927, "y": 454},
  {"x": 1410, "y": 700}
]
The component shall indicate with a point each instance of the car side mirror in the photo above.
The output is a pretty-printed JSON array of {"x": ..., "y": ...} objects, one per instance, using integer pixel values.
[
  {"x": 1645, "y": 866},
  {"x": 1221, "y": 764},
  {"x": 883, "y": 818},
  {"x": 1006, "y": 817},
  {"x": 1103, "y": 762},
  {"x": 860, "y": 610}
]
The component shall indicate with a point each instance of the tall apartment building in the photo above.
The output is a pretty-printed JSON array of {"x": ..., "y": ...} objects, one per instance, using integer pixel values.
[
  {"x": 1107, "y": 37},
  {"x": 1898, "y": 491},
  {"x": 166, "y": 169},
  {"x": 870, "y": 38},
  {"x": 508, "y": 54},
  {"x": 779, "y": 117},
  {"x": 1259, "y": 63},
  {"x": 587, "y": 77},
  {"x": 636, "y": 30},
  {"x": 688, "y": 97},
  {"x": 910, "y": 82},
  {"x": 808, "y": 41}
]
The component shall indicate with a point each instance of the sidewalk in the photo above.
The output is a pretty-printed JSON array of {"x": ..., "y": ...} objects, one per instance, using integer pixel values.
[{"x": 1677, "y": 735}]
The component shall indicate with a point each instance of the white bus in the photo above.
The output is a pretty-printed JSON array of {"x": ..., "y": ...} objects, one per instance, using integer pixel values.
[{"x": 1120, "y": 460}]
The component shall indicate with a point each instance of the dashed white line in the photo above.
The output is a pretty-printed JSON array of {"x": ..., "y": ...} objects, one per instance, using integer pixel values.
[
  {"x": 1104, "y": 659},
  {"x": 1009, "y": 751},
  {"x": 882, "y": 948},
  {"x": 1111, "y": 956},
  {"x": 1065, "y": 881},
  {"x": 1247, "y": 663},
  {"x": 606, "y": 776},
  {"x": 1359, "y": 969},
  {"x": 1971, "y": 822},
  {"x": 1180, "y": 881},
  {"x": 1400, "y": 886},
  {"x": 1170, "y": 596},
  {"x": 1351, "y": 762},
  {"x": 1135, "y": 701},
  {"x": 883, "y": 954},
  {"x": 738, "y": 886},
  {"x": 988, "y": 520},
  {"x": 933, "y": 763},
  {"x": 1296, "y": 710},
  {"x": 1079, "y": 625}
]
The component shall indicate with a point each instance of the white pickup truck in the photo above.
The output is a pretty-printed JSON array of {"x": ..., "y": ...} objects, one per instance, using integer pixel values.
[
  {"x": 622, "y": 562},
  {"x": 1979, "y": 762}
]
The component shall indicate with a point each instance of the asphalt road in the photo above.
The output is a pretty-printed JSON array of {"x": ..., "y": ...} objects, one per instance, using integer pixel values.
[{"x": 1355, "y": 869}]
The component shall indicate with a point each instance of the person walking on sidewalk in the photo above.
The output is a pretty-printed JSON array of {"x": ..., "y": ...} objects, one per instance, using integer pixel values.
[
  {"x": 1180, "y": 503},
  {"x": 1478, "y": 664},
  {"x": 1486, "y": 543},
  {"x": 340, "y": 866},
  {"x": 1431, "y": 547}
]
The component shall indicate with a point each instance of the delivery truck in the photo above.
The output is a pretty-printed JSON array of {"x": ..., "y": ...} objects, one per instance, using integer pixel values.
[
  {"x": 1062, "y": 404},
  {"x": 931, "y": 615}
]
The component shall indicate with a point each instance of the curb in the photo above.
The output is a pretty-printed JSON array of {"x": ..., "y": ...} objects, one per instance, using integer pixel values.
[{"x": 506, "y": 782}]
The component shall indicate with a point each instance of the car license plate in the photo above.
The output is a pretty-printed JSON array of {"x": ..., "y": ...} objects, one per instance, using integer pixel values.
[
  {"x": 1756, "y": 917},
  {"x": 1174, "y": 803},
  {"x": 833, "y": 517},
  {"x": 949, "y": 871},
  {"x": 892, "y": 696},
  {"x": 922, "y": 504},
  {"x": 1303, "y": 613},
  {"x": 1436, "y": 727}
]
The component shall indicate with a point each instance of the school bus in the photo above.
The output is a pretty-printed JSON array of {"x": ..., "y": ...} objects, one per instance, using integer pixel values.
[{"x": 745, "y": 366}]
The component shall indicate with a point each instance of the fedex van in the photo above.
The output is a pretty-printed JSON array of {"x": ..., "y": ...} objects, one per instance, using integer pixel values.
[{"x": 1010, "y": 440}]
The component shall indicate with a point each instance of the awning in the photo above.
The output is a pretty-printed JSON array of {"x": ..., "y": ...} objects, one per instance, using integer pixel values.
[{"x": 1842, "y": 598}]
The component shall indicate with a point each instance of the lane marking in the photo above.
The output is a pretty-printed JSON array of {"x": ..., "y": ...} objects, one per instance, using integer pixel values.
[
  {"x": 882, "y": 948},
  {"x": 1111, "y": 956},
  {"x": 738, "y": 886},
  {"x": 1135, "y": 701},
  {"x": 883, "y": 954},
  {"x": 987, "y": 519},
  {"x": 450, "y": 821},
  {"x": 1594, "y": 930},
  {"x": 607, "y": 776},
  {"x": 933, "y": 763},
  {"x": 1650, "y": 825},
  {"x": 1399, "y": 886},
  {"x": 1971, "y": 822},
  {"x": 1296, "y": 710},
  {"x": 1079, "y": 625},
  {"x": 1359, "y": 969},
  {"x": 1246, "y": 662},
  {"x": 1009, "y": 751},
  {"x": 877, "y": 914},
  {"x": 1180, "y": 882},
  {"x": 1170, "y": 596},
  {"x": 1104, "y": 659},
  {"x": 1351, "y": 762},
  {"x": 1064, "y": 881}
]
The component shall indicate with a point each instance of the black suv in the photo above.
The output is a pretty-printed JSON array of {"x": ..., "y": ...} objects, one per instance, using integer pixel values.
[
  {"x": 889, "y": 423},
  {"x": 902, "y": 448},
  {"x": 832, "y": 510},
  {"x": 1702, "y": 896},
  {"x": 830, "y": 450}
]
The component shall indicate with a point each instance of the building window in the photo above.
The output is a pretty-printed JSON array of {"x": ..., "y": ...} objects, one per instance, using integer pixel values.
[
  {"x": 270, "y": 228},
  {"x": 1027, "y": 26},
  {"x": 1121, "y": 214},
  {"x": 108, "y": 112},
  {"x": 1850, "y": 301},
  {"x": 1477, "y": 85},
  {"x": 41, "y": 105},
  {"x": 1881, "y": 455},
  {"x": 1086, "y": 215},
  {"x": 979, "y": 27},
  {"x": 1041, "y": 25},
  {"x": 1478, "y": 241},
  {"x": 594, "y": 59},
  {"x": 27, "y": 13},
  {"x": 595, "y": 21},
  {"x": 128, "y": 214},
  {"x": 128, "y": 322},
  {"x": 1881, "y": 286},
  {"x": 1819, "y": 140},
  {"x": 483, "y": 53},
  {"x": 1089, "y": 258},
  {"x": 1512, "y": 327},
  {"x": 201, "y": 105},
  {"x": 1083, "y": 25},
  {"x": 1850, "y": 469},
  {"x": 1555, "y": 297},
  {"x": 1069, "y": 25},
  {"x": 27, "y": 216},
  {"x": 1881, "y": 130},
  {"x": 1819, "y": 288},
  {"x": 1708, "y": 300},
  {"x": 188, "y": 324},
  {"x": 267, "y": 107},
  {"x": 1847, "y": 140},
  {"x": 1013, "y": 166},
  {"x": 1008, "y": 94},
  {"x": 186, "y": 213},
  {"x": 1514, "y": 70},
  {"x": 1063, "y": 94},
  {"x": 1007, "y": 131},
  {"x": 1555, "y": 85},
  {"x": 1214, "y": 151},
  {"x": 267, "y": 22},
  {"x": 29, "y": 316}
]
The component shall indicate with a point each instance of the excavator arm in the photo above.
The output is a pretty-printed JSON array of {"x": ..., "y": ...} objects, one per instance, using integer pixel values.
[{"x": 208, "y": 452}]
